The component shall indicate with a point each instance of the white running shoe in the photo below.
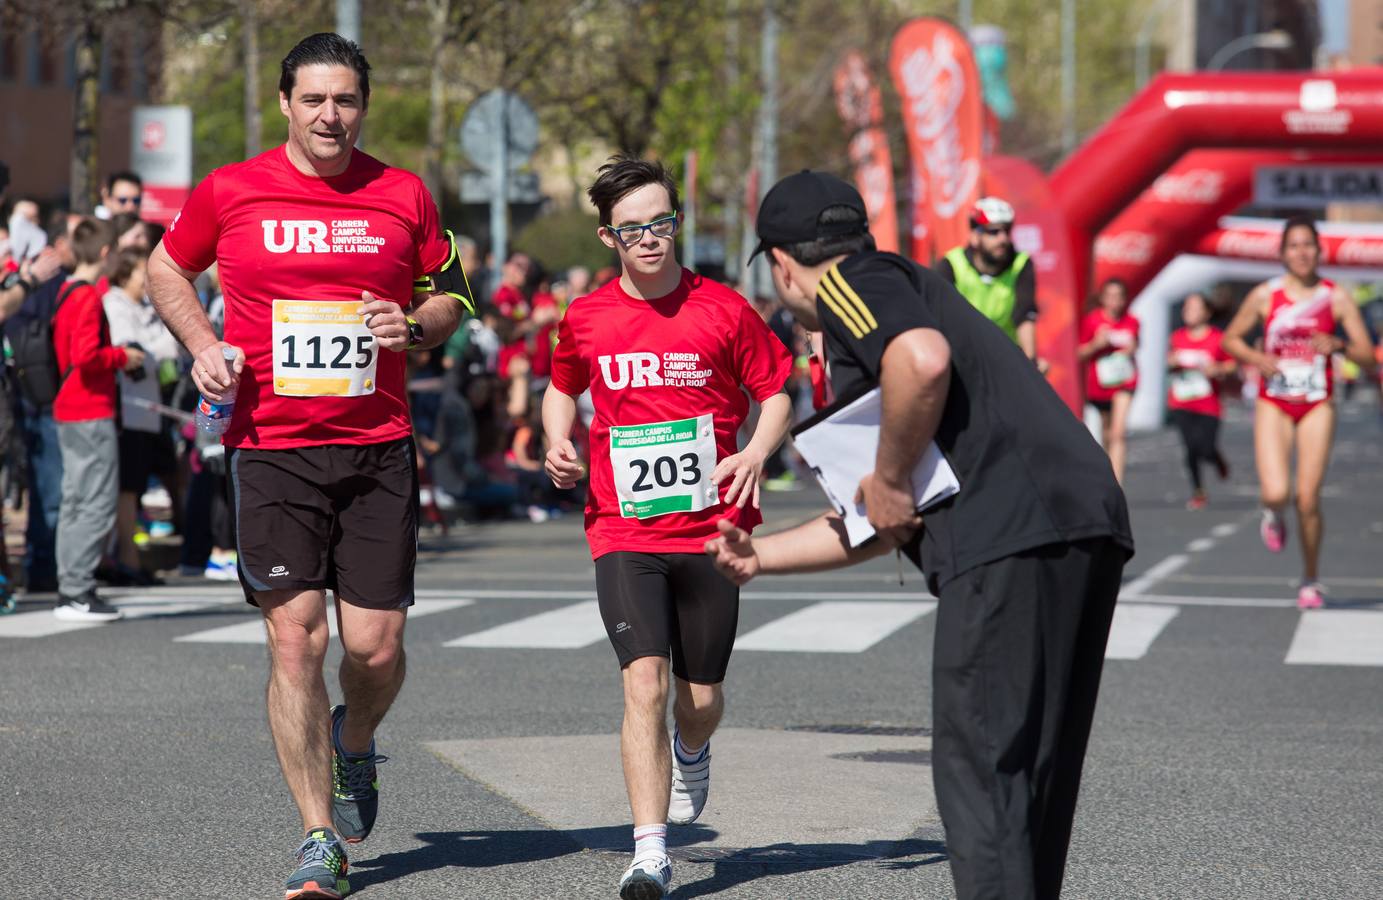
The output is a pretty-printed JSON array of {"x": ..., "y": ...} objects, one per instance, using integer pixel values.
[
  {"x": 691, "y": 784},
  {"x": 647, "y": 878}
]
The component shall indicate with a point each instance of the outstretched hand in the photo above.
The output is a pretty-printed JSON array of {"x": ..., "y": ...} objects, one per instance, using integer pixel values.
[{"x": 733, "y": 553}]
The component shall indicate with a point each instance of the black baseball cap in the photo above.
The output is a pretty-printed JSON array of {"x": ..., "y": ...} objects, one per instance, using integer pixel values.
[{"x": 791, "y": 210}]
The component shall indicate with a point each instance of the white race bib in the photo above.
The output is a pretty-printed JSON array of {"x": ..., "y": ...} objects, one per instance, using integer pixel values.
[
  {"x": 1190, "y": 384},
  {"x": 1114, "y": 370},
  {"x": 322, "y": 349},
  {"x": 1302, "y": 380},
  {"x": 664, "y": 467}
]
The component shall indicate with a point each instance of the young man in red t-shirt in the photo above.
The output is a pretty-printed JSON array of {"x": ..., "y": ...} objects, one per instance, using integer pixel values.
[
  {"x": 667, "y": 356},
  {"x": 84, "y": 410},
  {"x": 320, "y": 250}
]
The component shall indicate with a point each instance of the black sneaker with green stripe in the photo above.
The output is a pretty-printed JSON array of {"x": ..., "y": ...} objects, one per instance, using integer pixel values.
[
  {"x": 321, "y": 872},
  {"x": 354, "y": 785}
]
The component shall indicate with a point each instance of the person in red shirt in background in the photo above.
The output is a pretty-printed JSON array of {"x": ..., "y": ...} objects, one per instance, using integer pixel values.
[
  {"x": 1108, "y": 344},
  {"x": 1197, "y": 362},
  {"x": 85, "y": 413}
]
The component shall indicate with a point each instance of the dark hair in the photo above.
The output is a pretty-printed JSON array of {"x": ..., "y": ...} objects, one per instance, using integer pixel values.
[
  {"x": 1298, "y": 222},
  {"x": 325, "y": 48},
  {"x": 124, "y": 263},
  {"x": 817, "y": 251},
  {"x": 121, "y": 224},
  {"x": 4, "y": 178},
  {"x": 622, "y": 176},
  {"x": 89, "y": 238},
  {"x": 131, "y": 177}
]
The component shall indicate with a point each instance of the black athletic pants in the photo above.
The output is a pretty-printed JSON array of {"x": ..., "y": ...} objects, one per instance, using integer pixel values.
[
  {"x": 1201, "y": 436},
  {"x": 1019, "y": 648}
]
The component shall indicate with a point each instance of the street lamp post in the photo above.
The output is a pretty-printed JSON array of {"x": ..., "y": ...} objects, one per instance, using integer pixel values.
[{"x": 1277, "y": 39}]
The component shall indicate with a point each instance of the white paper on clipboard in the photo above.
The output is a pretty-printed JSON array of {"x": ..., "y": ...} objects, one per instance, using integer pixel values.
[{"x": 841, "y": 446}]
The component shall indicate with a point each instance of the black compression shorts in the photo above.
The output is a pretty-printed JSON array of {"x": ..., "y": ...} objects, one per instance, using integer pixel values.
[{"x": 669, "y": 604}]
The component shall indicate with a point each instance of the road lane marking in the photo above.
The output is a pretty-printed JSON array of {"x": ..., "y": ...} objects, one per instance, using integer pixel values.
[
  {"x": 42, "y": 623},
  {"x": 252, "y": 631},
  {"x": 834, "y": 627},
  {"x": 568, "y": 628},
  {"x": 1338, "y": 637},
  {"x": 1154, "y": 575},
  {"x": 1224, "y": 530},
  {"x": 1200, "y": 545},
  {"x": 1134, "y": 629}
]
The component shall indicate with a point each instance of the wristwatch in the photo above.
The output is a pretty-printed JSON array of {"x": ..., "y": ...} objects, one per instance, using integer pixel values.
[
  {"x": 415, "y": 333},
  {"x": 14, "y": 278}
]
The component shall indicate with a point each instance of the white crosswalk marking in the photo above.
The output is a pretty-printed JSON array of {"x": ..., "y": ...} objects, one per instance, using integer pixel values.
[
  {"x": 1134, "y": 629},
  {"x": 41, "y": 622},
  {"x": 834, "y": 627},
  {"x": 568, "y": 628},
  {"x": 252, "y": 631},
  {"x": 1338, "y": 637}
]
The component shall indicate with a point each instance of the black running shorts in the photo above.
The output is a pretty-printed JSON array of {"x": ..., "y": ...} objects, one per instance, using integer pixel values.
[
  {"x": 335, "y": 517},
  {"x": 669, "y": 604}
]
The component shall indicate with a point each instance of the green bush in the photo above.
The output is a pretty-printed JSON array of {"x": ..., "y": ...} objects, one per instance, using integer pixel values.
[{"x": 565, "y": 238}]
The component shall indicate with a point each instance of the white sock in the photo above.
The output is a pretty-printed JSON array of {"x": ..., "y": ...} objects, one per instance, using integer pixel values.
[
  {"x": 650, "y": 840},
  {"x": 686, "y": 754}
]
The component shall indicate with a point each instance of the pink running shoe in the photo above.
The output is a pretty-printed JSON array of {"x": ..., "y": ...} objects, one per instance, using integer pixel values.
[
  {"x": 1309, "y": 596},
  {"x": 1273, "y": 531}
]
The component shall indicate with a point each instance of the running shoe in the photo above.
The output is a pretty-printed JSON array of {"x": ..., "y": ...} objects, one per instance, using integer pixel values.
[
  {"x": 86, "y": 608},
  {"x": 691, "y": 784},
  {"x": 354, "y": 785},
  {"x": 1310, "y": 596},
  {"x": 321, "y": 872},
  {"x": 1197, "y": 501},
  {"x": 7, "y": 600},
  {"x": 221, "y": 571},
  {"x": 647, "y": 878},
  {"x": 1273, "y": 530}
]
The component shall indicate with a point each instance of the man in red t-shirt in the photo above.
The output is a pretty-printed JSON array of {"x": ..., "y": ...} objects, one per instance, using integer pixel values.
[
  {"x": 321, "y": 249},
  {"x": 667, "y": 356},
  {"x": 84, "y": 411}
]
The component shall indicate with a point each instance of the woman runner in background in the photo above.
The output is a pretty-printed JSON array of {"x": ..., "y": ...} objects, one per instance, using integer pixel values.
[
  {"x": 1197, "y": 360},
  {"x": 1299, "y": 311},
  {"x": 1108, "y": 342}
]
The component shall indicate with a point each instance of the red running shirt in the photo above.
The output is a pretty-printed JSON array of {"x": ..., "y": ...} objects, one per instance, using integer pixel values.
[
  {"x": 1189, "y": 388},
  {"x": 313, "y": 375},
  {"x": 665, "y": 377},
  {"x": 1112, "y": 369},
  {"x": 1306, "y": 375}
]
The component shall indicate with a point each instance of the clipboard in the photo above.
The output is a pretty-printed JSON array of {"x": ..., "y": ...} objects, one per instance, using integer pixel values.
[{"x": 840, "y": 444}]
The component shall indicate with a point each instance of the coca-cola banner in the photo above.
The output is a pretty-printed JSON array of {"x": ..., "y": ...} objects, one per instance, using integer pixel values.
[
  {"x": 1263, "y": 241},
  {"x": 934, "y": 71},
  {"x": 857, "y": 98},
  {"x": 1039, "y": 229},
  {"x": 1181, "y": 206}
]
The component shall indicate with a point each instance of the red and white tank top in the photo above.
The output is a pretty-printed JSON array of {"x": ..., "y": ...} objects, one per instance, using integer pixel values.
[{"x": 1305, "y": 375}]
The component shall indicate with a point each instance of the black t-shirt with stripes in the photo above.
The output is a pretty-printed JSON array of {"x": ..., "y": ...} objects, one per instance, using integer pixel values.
[{"x": 1030, "y": 472}]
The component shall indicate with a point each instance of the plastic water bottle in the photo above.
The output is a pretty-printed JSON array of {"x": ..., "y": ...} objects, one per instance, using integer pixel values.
[{"x": 214, "y": 418}]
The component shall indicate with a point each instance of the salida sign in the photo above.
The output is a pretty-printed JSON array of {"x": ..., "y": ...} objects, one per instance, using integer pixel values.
[{"x": 1311, "y": 187}]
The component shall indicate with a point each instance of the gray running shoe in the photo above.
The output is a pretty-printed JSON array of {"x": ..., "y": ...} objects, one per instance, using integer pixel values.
[
  {"x": 321, "y": 872},
  {"x": 354, "y": 785}
]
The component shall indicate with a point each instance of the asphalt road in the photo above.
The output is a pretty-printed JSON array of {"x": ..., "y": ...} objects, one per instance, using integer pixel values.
[{"x": 1236, "y": 752}]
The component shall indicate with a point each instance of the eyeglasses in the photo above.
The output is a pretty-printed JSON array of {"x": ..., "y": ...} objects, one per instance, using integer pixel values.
[
  {"x": 135, "y": 200},
  {"x": 628, "y": 235}
]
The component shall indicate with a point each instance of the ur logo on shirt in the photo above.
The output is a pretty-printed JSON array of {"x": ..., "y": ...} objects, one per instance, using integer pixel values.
[
  {"x": 631, "y": 370},
  {"x": 638, "y": 370},
  {"x": 301, "y": 235}
]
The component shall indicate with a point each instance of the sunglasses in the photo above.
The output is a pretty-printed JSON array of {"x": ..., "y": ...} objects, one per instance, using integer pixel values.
[{"x": 628, "y": 235}]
